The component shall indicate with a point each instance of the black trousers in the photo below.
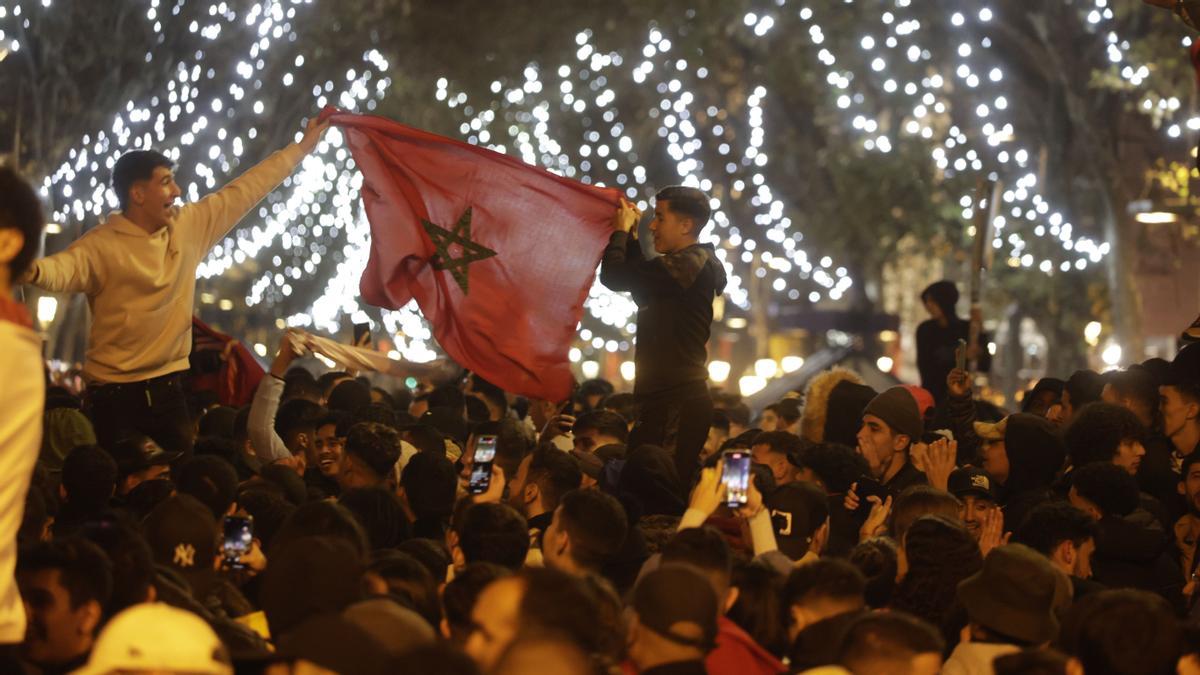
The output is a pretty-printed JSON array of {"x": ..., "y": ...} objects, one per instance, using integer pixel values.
[
  {"x": 678, "y": 425},
  {"x": 156, "y": 407}
]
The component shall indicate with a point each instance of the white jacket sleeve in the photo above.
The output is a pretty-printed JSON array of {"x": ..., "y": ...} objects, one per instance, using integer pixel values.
[{"x": 260, "y": 426}]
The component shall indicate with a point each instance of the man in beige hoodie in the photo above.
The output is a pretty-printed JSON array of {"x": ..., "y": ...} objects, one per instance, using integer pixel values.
[{"x": 138, "y": 270}]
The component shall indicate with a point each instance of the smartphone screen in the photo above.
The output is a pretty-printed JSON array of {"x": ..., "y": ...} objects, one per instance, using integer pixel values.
[
  {"x": 362, "y": 334},
  {"x": 869, "y": 487},
  {"x": 481, "y": 469},
  {"x": 239, "y": 537},
  {"x": 736, "y": 477},
  {"x": 960, "y": 355}
]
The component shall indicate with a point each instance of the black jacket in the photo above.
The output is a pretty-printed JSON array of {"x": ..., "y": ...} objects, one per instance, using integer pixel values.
[
  {"x": 1134, "y": 552},
  {"x": 936, "y": 345},
  {"x": 674, "y": 294}
]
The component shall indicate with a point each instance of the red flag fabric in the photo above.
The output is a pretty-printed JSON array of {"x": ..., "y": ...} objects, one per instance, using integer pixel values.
[
  {"x": 235, "y": 379},
  {"x": 498, "y": 254}
]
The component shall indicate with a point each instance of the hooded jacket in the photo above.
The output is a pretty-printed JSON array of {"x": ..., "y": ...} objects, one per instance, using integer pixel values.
[
  {"x": 936, "y": 344},
  {"x": 674, "y": 295},
  {"x": 833, "y": 405},
  {"x": 1036, "y": 453}
]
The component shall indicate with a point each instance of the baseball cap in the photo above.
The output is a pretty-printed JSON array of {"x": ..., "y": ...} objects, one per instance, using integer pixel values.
[
  {"x": 973, "y": 481},
  {"x": 797, "y": 511},
  {"x": 182, "y": 533},
  {"x": 155, "y": 637},
  {"x": 674, "y": 594},
  {"x": 138, "y": 453}
]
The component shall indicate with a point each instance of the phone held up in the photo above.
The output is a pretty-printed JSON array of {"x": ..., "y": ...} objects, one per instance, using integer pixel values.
[
  {"x": 238, "y": 534},
  {"x": 736, "y": 477},
  {"x": 481, "y": 464},
  {"x": 869, "y": 487}
]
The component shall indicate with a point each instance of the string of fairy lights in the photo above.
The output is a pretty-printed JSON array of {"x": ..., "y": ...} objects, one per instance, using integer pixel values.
[{"x": 567, "y": 119}]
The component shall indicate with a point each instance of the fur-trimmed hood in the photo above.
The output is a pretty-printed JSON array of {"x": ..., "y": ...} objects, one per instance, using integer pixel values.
[{"x": 816, "y": 401}]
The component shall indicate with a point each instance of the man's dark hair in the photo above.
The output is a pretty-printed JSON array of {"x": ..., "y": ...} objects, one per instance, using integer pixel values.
[
  {"x": 877, "y": 559},
  {"x": 322, "y": 519},
  {"x": 305, "y": 388},
  {"x": 789, "y": 410},
  {"x": 379, "y": 513},
  {"x": 349, "y": 396},
  {"x": 20, "y": 210},
  {"x": 134, "y": 166},
  {"x": 489, "y": 392},
  {"x": 270, "y": 510},
  {"x": 448, "y": 396},
  {"x": 494, "y": 533},
  {"x": 1108, "y": 486},
  {"x": 409, "y": 581},
  {"x": 585, "y": 611},
  {"x": 1124, "y": 631},
  {"x": 1138, "y": 384},
  {"x": 701, "y": 547},
  {"x": 555, "y": 473},
  {"x": 325, "y": 380},
  {"x": 1096, "y": 432},
  {"x": 84, "y": 571},
  {"x": 836, "y": 465},
  {"x": 297, "y": 415},
  {"x": 687, "y": 201},
  {"x": 878, "y": 640},
  {"x": 738, "y": 412},
  {"x": 459, "y": 596},
  {"x": 596, "y": 523},
  {"x": 378, "y": 413},
  {"x": 1050, "y": 524},
  {"x": 781, "y": 443},
  {"x": 89, "y": 477},
  {"x": 430, "y": 482},
  {"x": 211, "y": 480},
  {"x": 605, "y": 422},
  {"x": 132, "y": 562},
  {"x": 432, "y": 554},
  {"x": 720, "y": 422},
  {"x": 336, "y": 418},
  {"x": 1084, "y": 387},
  {"x": 376, "y": 446},
  {"x": 623, "y": 404},
  {"x": 824, "y": 578}
]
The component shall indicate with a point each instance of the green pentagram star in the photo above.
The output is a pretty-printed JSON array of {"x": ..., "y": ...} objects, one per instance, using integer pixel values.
[{"x": 443, "y": 239}]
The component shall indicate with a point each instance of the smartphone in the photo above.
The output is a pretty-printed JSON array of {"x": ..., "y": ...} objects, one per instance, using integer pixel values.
[
  {"x": 960, "y": 355},
  {"x": 239, "y": 538},
  {"x": 362, "y": 334},
  {"x": 868, "y": 487},
  {"x": 481, "y": 464},
  {"x": 736, "y": 477}
]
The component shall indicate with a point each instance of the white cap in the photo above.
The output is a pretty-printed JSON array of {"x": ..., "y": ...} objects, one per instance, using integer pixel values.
[{"x": 161, "y": 638}]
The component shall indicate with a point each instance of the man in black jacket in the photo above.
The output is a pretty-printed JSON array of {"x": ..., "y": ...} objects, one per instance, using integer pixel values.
[{"x": 674, "y": 293}]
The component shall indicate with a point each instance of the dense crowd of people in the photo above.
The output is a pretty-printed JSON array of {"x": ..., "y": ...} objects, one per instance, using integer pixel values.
[{"x": 329, "y": 525}]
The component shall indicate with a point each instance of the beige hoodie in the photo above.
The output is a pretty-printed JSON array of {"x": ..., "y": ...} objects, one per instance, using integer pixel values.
[{"x": 141, "y": 287}]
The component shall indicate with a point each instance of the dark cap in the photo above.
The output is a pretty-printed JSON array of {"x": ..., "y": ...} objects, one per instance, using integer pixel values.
[
  {"x": 1184, "y": 370},
  {"x": 138, "y": 453},
  {"x": 797, "y": 511},
  {"x": 969, "y": 480},
  {"x": 182, "y": 534},
  {"x": 674, "y": 594}
]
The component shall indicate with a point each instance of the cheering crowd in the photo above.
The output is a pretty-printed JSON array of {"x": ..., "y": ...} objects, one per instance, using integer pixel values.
[{"x": 329, "y": 525}]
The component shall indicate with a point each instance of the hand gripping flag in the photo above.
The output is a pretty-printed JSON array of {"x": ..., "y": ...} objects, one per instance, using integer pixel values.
[{"x": 498, "y": 254}]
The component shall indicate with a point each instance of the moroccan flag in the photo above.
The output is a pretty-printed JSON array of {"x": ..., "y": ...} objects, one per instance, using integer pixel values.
[{"x": 498, "y": 254}]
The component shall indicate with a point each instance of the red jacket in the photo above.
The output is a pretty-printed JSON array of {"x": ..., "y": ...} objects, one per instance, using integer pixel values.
[{"x": 738, "y": 654}]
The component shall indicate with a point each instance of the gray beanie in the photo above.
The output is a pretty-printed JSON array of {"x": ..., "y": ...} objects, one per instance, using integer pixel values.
[{"x": 898, "y": 409}]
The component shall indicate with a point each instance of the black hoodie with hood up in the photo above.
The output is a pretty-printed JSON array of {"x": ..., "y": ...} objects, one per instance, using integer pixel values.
[{"x": 936, "y": 344}]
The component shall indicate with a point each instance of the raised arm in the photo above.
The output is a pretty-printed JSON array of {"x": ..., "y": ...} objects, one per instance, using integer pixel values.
[
  {"x": 215, "y": 215},
  {"x": 260, "y": 426}
]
